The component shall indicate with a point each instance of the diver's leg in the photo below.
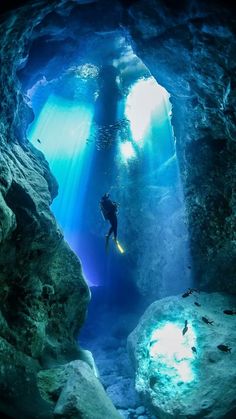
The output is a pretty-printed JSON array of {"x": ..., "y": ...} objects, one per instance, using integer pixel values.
[
  {"x": 115, "y": 227},
  {"x": 108, "y": 236},
  {"x": 110, "y": 231}
]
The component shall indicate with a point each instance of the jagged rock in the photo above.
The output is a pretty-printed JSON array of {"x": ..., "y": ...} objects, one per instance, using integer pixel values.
[
  {"x": 188, "y": 47},
  {"x": 8, "y": 220},
  {"x": 42, "y": 290},
  {"x": 172, "y": 377},
  {"x": 18, "y": 382},
  {"x": 83, "y": 395}
]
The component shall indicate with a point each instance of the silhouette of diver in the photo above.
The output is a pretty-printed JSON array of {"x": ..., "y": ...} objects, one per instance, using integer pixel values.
[{"x": 109, "y": 211}]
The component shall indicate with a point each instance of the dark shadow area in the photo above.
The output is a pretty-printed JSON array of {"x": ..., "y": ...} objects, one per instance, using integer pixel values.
[
  {"x": 3, "y": 416},
  {"x": 9, "y": 5}
]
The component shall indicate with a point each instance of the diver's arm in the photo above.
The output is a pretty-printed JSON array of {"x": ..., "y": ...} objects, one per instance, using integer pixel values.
[{"x": 116, "y": 205}]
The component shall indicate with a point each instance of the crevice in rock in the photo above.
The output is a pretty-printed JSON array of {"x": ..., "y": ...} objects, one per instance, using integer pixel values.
[{"x": 20, "y": 202}]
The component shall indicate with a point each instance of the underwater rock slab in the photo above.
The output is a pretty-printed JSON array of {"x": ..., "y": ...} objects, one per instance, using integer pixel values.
[
  {"x": 123, "y": 394},
  {"x": 83, "y": 396},
  {"x": 180, "y": 371}
]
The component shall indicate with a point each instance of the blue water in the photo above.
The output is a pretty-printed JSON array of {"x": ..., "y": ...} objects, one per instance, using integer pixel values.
[{"x": 104, "y": 144}]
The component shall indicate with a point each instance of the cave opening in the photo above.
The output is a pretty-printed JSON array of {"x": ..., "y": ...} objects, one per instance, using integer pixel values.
[{"x": 104, "y": 124}]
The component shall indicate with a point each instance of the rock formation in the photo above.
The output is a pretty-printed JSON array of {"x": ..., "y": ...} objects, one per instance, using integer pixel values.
[
  {"x": 78, "y": 391},
  {"x": 44, "y": 296},
  {"x": 180, "y": 373},
  {"x": 190, "y": 49}
]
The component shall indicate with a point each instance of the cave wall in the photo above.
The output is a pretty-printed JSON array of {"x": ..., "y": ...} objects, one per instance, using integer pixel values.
[
  {"x": 42, "y": 289},
  {"x": 189, "y": 48}
]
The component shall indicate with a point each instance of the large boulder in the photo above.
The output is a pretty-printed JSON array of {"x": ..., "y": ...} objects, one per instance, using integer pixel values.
[
  {"x": 77, "y": 391},
  {"x": 181, "y": 371}
]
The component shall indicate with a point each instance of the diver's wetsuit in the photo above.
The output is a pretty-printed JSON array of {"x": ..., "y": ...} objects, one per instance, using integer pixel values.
[
  {"x": 109, "y": 210},
  {"x": 113, "y": 221}
]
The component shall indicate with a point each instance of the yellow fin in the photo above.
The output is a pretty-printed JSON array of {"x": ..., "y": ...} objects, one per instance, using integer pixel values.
[{"x": 119, "y": 247}]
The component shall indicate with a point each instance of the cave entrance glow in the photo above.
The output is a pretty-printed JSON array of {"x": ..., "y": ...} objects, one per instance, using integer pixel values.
[
  {"x": 107, "y": 128},
  {"x": 147, "y": 104}
]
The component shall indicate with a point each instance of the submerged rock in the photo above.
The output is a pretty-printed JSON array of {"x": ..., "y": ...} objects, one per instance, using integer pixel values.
[
  {"x": 171, "y": 378},
  {"x": 73, "y": 391}
]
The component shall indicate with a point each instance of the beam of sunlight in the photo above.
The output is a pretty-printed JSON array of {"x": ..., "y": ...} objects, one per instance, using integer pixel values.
[
  {"x": 127, "y": 151},
  {"x": 62, "y": 128},
  {"x": 154, "y": 174},
  {"x": 145, "y": 100},
  {"x": 172, "y": 351},
  {"x": 60, "y": 132}
]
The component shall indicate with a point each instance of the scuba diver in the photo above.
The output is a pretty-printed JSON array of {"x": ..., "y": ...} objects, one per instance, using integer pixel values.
[{"x": 109, "y": 211}]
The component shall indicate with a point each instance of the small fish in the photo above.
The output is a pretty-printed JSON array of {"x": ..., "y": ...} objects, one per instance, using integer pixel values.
[
  {"x": 38, "y": 140},
  {"x": 224, "y": 348},
  {"x": 186, "y": 294},
  {"x": 190, "y": 291},
  {"x": 194, "y": 290},
  {"x": 189, "y": 267},
  {"x": 207, "y": 321},
  {"x": 230, "y": 312},
  {"x": 197, "y": 304},
  {"x": 153, "y": 342},
  {"x": 194, "y": 349},
  {"x": 185, "y": 329}
]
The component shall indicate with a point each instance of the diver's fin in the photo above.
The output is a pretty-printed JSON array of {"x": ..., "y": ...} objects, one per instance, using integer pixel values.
[{"x": 119, "y": 247}]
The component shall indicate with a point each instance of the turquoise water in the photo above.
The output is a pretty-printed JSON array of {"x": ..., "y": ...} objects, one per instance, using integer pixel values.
[
  {"x": 63, "y": 128},
  {"x": 97, "y": 146}
]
